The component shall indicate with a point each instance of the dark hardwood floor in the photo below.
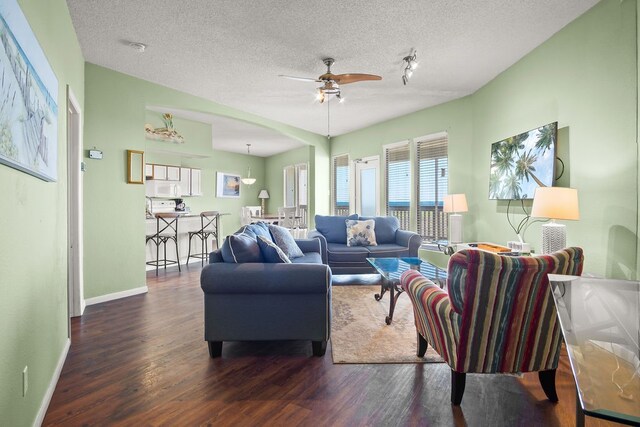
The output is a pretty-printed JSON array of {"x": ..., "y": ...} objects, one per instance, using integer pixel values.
[{"x": 142, "y": 360}]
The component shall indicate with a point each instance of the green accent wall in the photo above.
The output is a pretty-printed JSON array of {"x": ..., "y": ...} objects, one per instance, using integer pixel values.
[
  {"x": 115, "y": 115},
  {"x": 584, "y": 77},
  {"x": 33, "y": 256}
]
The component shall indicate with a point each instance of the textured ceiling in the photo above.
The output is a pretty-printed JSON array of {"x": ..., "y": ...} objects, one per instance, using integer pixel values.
[{"x": 232, "y": 51}]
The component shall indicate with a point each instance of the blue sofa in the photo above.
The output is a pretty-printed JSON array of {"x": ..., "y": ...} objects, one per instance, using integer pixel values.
[
  {"x": 259, "y": 301},
  {"x": 331, "y": 231}
]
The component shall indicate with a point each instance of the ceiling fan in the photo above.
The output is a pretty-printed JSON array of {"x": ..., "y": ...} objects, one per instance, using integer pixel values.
[{"x": 331, "y": 82}]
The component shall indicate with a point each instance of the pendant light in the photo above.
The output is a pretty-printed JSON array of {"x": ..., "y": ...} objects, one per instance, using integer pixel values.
[{"x": 248, "y": 180}]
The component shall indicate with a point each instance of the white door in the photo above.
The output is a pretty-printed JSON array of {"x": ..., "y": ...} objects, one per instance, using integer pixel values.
[
  {"x": 76, "y": 302},
  {"x": 367, "y": 186}
]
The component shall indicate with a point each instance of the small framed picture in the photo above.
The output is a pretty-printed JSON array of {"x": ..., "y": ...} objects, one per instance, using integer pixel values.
[{"x": 228, "y": 185}]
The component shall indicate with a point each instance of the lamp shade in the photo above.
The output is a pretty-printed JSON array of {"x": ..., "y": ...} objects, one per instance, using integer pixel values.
[
  {"x": 555, "y": 203},
  {"x": 264, "y": 194},
  {"x": 455, "y": 203}
]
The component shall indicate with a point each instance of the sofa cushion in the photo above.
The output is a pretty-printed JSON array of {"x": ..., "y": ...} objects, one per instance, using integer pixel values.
[
  {"x": 308, "y": 258},
  {"x": 271, "y": 253},
  {"x": 387, "y": 250},
  {"x": 339, "y": 252},
  {"x": 333, "y": 228},
  {"x": 285, "y": 241},
  {"x": 255, "y": 230},
  {"x": 361, "y": 233},
  {"x": 386, "y": 227},
  {"x": 241, "y": 248}
]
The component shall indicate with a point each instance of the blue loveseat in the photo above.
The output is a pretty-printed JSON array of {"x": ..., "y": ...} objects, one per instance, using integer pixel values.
[
  {"x": 331, "y": 231},
  {"x": 260, "y": 301}
]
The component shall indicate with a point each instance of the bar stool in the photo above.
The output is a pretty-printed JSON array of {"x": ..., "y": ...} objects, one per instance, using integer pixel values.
[
  {"x": 209, "y": 222},
  {"x": 166, "y": 229}
]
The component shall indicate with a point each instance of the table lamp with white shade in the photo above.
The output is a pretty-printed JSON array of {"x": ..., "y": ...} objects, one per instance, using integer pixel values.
[
  {"x": 555, "y": 203},
  {"x": 454, "y": 203},
  {"x": 264, "y": 194}
]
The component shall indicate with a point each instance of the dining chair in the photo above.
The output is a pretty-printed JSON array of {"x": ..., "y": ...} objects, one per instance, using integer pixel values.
[
  {"x": 288, "y": 220},
  {"x": 496, "y": 315},
  {"x": 245, "y": 215},
  {"x": 303, "y": 227}
]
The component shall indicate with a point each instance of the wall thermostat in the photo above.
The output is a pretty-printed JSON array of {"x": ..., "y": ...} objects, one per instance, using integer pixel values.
[{"x": 95, "y": 154}]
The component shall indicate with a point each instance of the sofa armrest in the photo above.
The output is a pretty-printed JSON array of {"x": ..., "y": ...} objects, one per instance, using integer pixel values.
[
  {"x": 315, "y": 234},
  {"x": 262, "y": 278},
  {"x": 410, "y": 240},
  {"x": 309, "y": 245},
  {"x": 215, "y": 256},
  {"x": 435, "y": 318}
]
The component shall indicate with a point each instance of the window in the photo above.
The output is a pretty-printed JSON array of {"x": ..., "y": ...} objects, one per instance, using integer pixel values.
[
  {"x": 340, "y": 188},
  {"x": 433, "y": 180},
  {"x": 398, "y": 179}
]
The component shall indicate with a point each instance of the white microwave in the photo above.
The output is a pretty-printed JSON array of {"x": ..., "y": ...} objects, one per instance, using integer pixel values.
[{"x": 159, "y": 188}]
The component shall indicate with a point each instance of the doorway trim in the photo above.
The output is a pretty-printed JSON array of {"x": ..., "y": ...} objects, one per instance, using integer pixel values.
[
  {"x": 355, "y": 186},
  {"x": 75, "y": 227}
]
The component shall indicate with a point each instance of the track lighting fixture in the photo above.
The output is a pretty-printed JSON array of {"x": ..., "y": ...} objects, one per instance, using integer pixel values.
[{"x": 411, "y": 63}]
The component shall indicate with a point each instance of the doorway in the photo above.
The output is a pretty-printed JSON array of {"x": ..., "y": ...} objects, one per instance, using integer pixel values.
[
  {"x": 75, "y": 273},
  {"x": 367, "y": 186}
]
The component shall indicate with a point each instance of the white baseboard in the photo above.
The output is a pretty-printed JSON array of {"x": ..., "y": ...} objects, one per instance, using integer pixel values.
[
  {"x": 52, "y": 385},
  {"x": 117, "y": 295}
]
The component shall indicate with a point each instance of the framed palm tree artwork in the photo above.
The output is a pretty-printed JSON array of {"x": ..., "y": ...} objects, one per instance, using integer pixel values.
[{"x": 521, "y": 163}]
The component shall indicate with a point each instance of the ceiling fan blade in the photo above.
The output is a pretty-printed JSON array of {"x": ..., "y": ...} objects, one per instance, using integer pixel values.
[
  {"x": 303, "y": 79},
  {"x": 343, "y": 79}
]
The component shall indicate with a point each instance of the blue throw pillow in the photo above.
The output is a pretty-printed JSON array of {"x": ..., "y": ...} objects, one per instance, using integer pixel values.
[
  {"x": 241, "y": 248},
  {"x": 386, "y": 227},
  {"x": 271, "y": 252},
  {"x": 333, "y": 228},
  {"x": 255, "y": 230},
  {"x": 285, "y": 241}
]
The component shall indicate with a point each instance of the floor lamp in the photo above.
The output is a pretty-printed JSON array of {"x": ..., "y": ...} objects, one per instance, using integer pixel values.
[
  {"x": 454, "y": 203},
  {"x": 555, "y": 203}
]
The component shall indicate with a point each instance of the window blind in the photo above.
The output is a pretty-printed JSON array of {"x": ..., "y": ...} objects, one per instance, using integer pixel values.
[
  {"x": 398, "y": 179},
  {"x": 433, "y": 183},
  {"x": 340, "y": 188}
]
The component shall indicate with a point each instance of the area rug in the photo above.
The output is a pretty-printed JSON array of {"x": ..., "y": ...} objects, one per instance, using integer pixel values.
[{"x": 360, "y": 335}]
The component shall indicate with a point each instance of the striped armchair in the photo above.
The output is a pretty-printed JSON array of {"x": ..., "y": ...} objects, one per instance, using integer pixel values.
[{"x": 497, "y": 315}]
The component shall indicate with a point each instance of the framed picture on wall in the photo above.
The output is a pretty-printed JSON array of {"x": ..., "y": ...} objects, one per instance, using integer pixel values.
[
  {"x": 228, "y": 185},
  {"x": 28, "y": 99}
]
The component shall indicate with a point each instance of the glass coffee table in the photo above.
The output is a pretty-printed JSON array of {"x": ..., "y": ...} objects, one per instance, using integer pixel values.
[
  {"x": 601, "y": 328},
  {"x": 392, "y": 268}
]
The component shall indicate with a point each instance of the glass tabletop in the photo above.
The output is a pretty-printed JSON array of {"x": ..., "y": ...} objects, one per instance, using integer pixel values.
[
  {"x": 392, "y": 268},
  {"x": 601, "y": 327}
]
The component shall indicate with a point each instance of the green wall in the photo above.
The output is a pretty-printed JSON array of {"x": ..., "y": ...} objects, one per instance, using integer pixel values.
[
  {"x": 115, "y": 114},
  {"x": 33, "y": 256},
  {"x": 585, "y": 78}
]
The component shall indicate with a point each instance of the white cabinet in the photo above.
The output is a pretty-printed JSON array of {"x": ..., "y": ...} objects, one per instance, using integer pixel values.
[
  {"x": 190, "y": 181},
  {"x": 185, "y": 181},
  {"x": 162, "y": 172},
  {"x": 159, "y": 172},
  {"x": 173, "y": 173},
  {"x": 196, "y": 180}
]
